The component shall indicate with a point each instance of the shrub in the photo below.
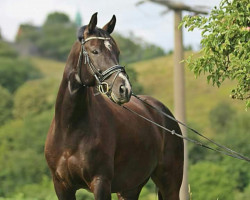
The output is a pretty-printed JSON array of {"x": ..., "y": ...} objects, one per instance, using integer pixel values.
[
  {"x": 14, "y": 72},
  {"x": 221, "y": 115},
  {"x": 210, "y": 181},
  {"x": 34, "y": 97},
  {"x": 6, "y": 104}
]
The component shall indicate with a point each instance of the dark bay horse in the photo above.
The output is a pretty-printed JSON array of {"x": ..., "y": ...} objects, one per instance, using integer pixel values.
[{"x": 94, "y": 143}]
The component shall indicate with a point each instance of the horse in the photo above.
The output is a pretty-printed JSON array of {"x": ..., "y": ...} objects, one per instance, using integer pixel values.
[{"x": 95, "y": 144}]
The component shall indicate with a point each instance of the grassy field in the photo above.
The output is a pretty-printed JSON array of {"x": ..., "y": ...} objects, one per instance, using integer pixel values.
[{"x": 156, "y": 76}]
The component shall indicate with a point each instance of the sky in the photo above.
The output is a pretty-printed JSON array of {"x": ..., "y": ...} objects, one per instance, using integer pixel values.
[{"x": 144, "y": 21}]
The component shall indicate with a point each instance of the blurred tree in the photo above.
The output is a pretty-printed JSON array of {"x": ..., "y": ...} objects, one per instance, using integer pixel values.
[
  {"x": 149, "y": 191},
  {"x": 237, "y": 137},
  {"x": 57, "y": 36},
  {"x": 36, "y": 191},
  {"x": 22, "y": 159},
  {"x": 84, "y": 195},
  {"x": 221, "y": 115},
  {"x": 136, "y": 86},
  {"x": 225, "y": 46},
  {"x": 195, "y": 152},
  {"x": 151, "y": 51},
  {"x": 188, "y": 48},
  {"x": 243, "y": 195},
  {"x": 231, "y": 130},
  {"x": 135, "y": 49},
  {"x": 211, "y": 181},
  {"x": 57, "y": 18},
  {"x": 28, "y": 32},
  {"x": 6, "y": 50},
  {"x": 35, "y": 97},
  {"x": 14, "y": 72},
  {"x": 26, "y": 39},
  {"x": 6, "y": 104}
]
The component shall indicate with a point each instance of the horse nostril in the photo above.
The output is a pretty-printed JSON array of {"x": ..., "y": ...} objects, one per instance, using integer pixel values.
[{"x": 122, "y": 89}]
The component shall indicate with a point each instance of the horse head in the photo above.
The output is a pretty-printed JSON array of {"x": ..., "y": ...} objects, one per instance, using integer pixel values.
[{"x": 98, "y": 63}]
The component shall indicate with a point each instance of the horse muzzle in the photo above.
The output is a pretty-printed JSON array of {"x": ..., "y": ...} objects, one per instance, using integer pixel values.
[{"x": 122, "y": 90}]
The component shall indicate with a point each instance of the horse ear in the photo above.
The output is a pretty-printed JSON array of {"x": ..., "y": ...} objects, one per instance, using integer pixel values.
[
  {"x": 92, "y": 23},
  {"x": 109, "y": 27}
]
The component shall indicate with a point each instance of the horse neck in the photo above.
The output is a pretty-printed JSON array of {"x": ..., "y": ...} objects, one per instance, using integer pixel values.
[
  {"x": 70, "y": 107},
  {"x": 73, "y": 98}
]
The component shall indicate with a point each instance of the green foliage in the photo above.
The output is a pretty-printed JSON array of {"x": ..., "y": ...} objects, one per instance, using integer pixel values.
[
  {"x": 37, "y": 191},
  {"x": 57, "y": 36},
  {"x": 134, "y": 49},
  {"x": 243, "y": 195},
  {"x": 195, "y": 152},
  {"x": 84, "y": 195},
  {"x": 14, "y": 71},
  {"x": 136, "y": 86},
  {"x": 57, "y": 18},
  {"x": 236, "y": 137},
  {"x": 6, "y": 104},
  {"x": 28, "y": 32},
  {"x": 21, "y": 145},
  {"x": 198, "y": 154},
  {"x": 54, "y": 39},
  {"x": 34, "y": 191},
  {"x": 220, "y": 116},
  {"x": 149, "y": 191},
  {"x": 232, "y": 132},
  {"x": 225, "y": 46},
  {"x": 34, "y": 97},
  {"x": 211, "y": 181},
  {"x": 6, "y": 50}
]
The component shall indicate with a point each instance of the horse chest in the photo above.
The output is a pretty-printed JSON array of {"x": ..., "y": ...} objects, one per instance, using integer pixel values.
[{"x": 82, "y": 165}]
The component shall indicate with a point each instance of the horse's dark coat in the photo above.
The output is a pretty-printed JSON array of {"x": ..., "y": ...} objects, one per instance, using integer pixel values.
[{"x": 95, "y": 144}]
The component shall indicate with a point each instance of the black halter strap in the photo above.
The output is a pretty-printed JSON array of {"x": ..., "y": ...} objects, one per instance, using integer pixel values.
[{"x": 100, "y": 77}]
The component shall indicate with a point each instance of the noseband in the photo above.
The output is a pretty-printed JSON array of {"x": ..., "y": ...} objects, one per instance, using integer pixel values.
[{"x": 100, "y": 77}]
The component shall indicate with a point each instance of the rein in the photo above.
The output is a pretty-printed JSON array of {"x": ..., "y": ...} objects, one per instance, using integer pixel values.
[
  {"x": 222, "y": 149},
  {"x": 100, "y": 77}
]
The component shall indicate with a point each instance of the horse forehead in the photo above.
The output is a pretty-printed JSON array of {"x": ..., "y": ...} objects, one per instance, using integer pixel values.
[
  {"x": 108, "y": 45},
  {"x": 99, "y": 42}
]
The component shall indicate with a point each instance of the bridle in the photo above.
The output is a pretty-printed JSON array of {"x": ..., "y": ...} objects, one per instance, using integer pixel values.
[{"x": 103, "y": 87}]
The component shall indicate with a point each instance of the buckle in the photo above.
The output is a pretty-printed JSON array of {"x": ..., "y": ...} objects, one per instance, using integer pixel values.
[{"x": 103, "y": 88}]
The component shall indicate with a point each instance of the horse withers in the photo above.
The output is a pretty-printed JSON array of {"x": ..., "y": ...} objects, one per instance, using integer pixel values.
[{"x": 94, "y": 143}]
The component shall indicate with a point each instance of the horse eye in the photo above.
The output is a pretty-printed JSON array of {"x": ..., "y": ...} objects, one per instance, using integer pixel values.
[{"x": 95, "y": 52}]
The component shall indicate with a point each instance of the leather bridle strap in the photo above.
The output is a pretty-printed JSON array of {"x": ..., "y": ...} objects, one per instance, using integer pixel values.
[{"x": 110, "y": 71}]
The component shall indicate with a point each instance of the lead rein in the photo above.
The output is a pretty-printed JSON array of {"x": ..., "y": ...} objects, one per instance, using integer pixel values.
[{"x": 227, "y": 151}]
